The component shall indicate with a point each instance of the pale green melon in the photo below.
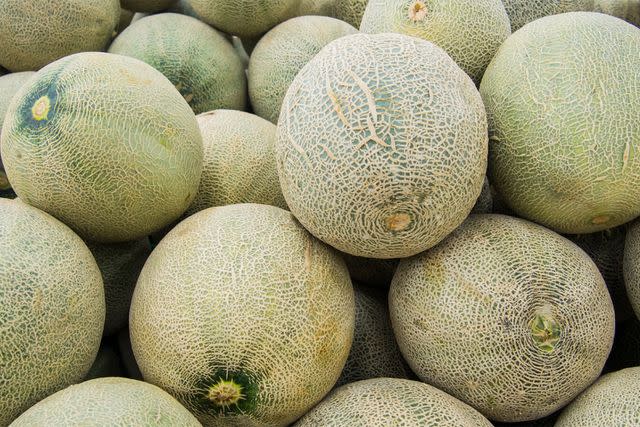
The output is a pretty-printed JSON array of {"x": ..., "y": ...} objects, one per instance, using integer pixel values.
[
  {"x": 391, "y": 402},
  {"x": 198, "y": 60},
  {"x": 505, "y": 315},
  {"x": 374, "y": 352},
  {"x": 350, "y": 11},
  {"x": 371, "y": 271},
  {"x": 51, "y": 307},
  {"x": 245, "y": 18},
  {"x": 281, "y": 54},
  {"x": 239, "y": 161},
  {"x": 104, "y": 143},
  {"x": 107, "y": 363},
  {"x": 522, "y": 12},
  {"x": 38, "y": 32},
  {"x": 108, "y": 402},
  {"x": 470, "y": 31},
  {"x": 316, "y": 7},
  {"x": 612, "y": 401},
  {"x": 564, "y": 139},
  {"x": 243, "y": 316},
  {"x": 382, "y": 145},
  {"x": 629, "y": 10},
  {"x": 631, "y": 266},
  {"x": 146, "y": 5}
]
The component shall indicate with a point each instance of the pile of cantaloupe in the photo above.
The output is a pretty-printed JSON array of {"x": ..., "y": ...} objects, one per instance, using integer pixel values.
[{"x": 319, "y": 213}]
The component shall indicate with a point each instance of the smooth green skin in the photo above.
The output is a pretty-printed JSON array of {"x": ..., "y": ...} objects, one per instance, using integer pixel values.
[
  {"x": 563, "y": 139},
  {"x": 350, "y": 11},
  {"x": 199, "y": 61},
  {"x": 522, "y": 12},
  {"x": 147, "y": 6},
  {"x": 281, "y": 54}
]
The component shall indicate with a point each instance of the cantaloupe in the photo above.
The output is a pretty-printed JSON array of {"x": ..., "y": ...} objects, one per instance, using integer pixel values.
[
  {"x": 391, "y": 402},
  {"x": 37, "y": 32},
  {"x": 371, "y": 271},
  {"x": 612, "y": 401},
  {"x": 106, "y": 144},
  {"x": 51, "y": 307},
  {"x": 350, "y": 11},
  {"x": 281, "y": 54},
  {"x": 522, "y": 12},
  {"x": 198, "y": 60},
  {"x": 107, "y": 363},
  {"x": 245, "y": 18},
  {"x": 147, "y": 5},
  {"x": 505, "y": 315},
  {"x": 564, "y": 133},
  {"x": 108, "y": 401},
  {"x": 316, "y": 7},
  {"x": 374, "y": 352},
  {"x": 470, "y": 31},
  {"x": 243, "y": 316},
  {"x": 629, "y": 10},
  {"x": 239, "y": 161},
  {"x": 631, "y": 266},
  {"x": 120, "y": 265},
  {"x": 382, "y": 145}
]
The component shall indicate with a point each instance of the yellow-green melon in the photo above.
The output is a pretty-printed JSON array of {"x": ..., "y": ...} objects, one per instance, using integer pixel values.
[
  {"x": 147, "y": 6},
  {"x": 470, "y": 31},
  {"x": 104, "y": 143},
  {"x": 316, "y": 7},
  {"x": 245, "y": 18},
  {"x": 239, "y": 161},
  {"x": 243, "y": 316},
  {"x": 108, "y": 402},
  {"x": 383, "y": 402},
  {"x": 612, "y": 401},
  {"x": 631, "y": 266},
  {"x": 564, "y": 137},
  {"x": 107, "y": 363},
  {"x": 38, "y": 32},
  {"x": 629, "y": 10},
  {"x": 382, "y": 145},
  {"x": 199, "y": 61},
  {"x": 280, "y": 55},
  {"x": 522, "y": 12},
  {"x": 350, "y": 11},
  {"x": 51, "y": 307},
  {"x": 505, "y": 315}
]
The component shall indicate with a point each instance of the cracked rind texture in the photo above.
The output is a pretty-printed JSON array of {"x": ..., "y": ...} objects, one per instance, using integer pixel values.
[
  {"x": 374, "y": 352},
  {"x": 382, "y": 145},
  {"x": 631, "y": 266},
  {"x": 564, "y": 134},
  {"x": 613, "y": 400},
  {"x": 629, "y": 10},
  {"x": 38, "y": 32},
  {"x": 116, "y": 402},
  {"x": 245, "y": 18},
  {"x": 350, "y": 11},
  {"x": 521, "y": 12},
  {"x": 470, "y": 31},
  {"x": 51, "y": 307},
  {"x": 200, "y": 62},
  {"x": 462, "y": 314},
  {"x": 269, "y": 307},
  {"x": 391, "y": 401},
  {"x": 104, "y": 143},
  {"x": 239, "y": 161},
  {"x": 280, "y": 55},
  {"x": 147, "y": 6}
]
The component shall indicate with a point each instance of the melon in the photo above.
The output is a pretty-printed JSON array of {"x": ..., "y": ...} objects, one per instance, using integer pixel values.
[
  {"x": 120, "y": 265},
  {"x": 612, "y": 401},
  {"x": 146, "y": 6},
  {"x": 470, "y": 31},
  {"x": 104, "y": 143},
  {"x": 522, "y": 12},
  {"x": 199, "y": 61},
  {"x": 505, "y": 315},
  {"x": 631, "y": 266},
  {"x": 245, "y": 18},
  {"x": 350, "y": 11},
  {"x": 126, "y": 16},
  {"x": 239, "y": 161},
  {"x": 51, "y": 307},
  {"x": 391, "y": 401},
  {"x": 371, "y": 271},
  {"x": 374, "y": 352},
  {"x": 316, "y": 7},
  {"x": 108, "y": 401},
  {"x": 382, "y": 145},
  {"x": 38, "y": 32},
  {"x": 563, "y": 137},
  {"x": 484, "y": 204},
  {"x": 281, "y": 54},
  {"x": 629, "y": 10},
  {"x": 243, "y": 316},
  {"x": 107, "y": 363}
]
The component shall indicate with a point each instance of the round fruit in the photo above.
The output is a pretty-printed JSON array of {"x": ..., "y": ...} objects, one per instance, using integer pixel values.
[
  {"x": 612, "y": 401},
  {"x": 199, "y": 61},
  {"x": 146, "y": 5},
  {"x": 350, "y": 11},
  {"x": 104, "y": 143},
  {"x": 245, "y": 18},
  {"x": 37, "y": 32},
  {"x": 315, "y": 7},
  {"x": 108, "y": 401},
  {"x": 629, "y": 10},
  {"x": 522, "y": 12},
  {"x": 401, "y": 132},
  {"x": 51, "y": 307},
  {"x": 631, "y": 266},
  {"x": 107, "y": 363},
  {"x": 281, "y": 54},
  {"x": 243, "y": 316},
  {"x": 505, "y": 315},
  {"x": 391, "y": 401},
  {"x": 239, "y": 161},
  {"x": 564, "y": 138},
  {"x": 470, "y": 31}
]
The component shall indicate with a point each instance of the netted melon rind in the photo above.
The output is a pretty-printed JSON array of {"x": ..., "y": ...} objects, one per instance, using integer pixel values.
[
  {"x": 521, "y": 12},
  {"x": 350, "y": 11},
  {"x": 316, "y": 8}
]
